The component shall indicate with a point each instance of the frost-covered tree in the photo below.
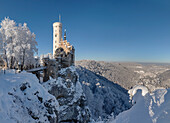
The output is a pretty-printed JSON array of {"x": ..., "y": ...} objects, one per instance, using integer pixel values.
[
  {"x": 1, "y": 45},
  {"x": 25, "y": 45},
  {"x": 19, "y": 43},
  {"x": 8, "y": 33}
]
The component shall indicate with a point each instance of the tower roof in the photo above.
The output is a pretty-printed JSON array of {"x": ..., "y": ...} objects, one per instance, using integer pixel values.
[{"x": 59, "y": 18}]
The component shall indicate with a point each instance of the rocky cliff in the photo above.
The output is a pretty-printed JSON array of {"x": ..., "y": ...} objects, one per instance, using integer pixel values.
[{"x": 68, "y": 92}]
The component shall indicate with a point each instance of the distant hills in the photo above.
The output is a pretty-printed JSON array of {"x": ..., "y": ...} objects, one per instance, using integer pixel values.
[{"x": 128, "y": 74}]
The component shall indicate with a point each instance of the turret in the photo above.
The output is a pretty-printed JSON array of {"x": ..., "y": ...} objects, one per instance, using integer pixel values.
[{"x": 65, "y": 34}]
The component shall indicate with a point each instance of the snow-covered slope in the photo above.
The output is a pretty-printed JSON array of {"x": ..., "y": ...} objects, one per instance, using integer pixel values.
[
  {"x": 103, "y": 96},
  {"x": 151, "y": 108},
  {"x": 24, "y": 99}
]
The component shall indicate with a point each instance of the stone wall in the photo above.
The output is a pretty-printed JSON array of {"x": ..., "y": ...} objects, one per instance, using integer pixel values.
[
  {"x": 51, "y": 69},
  {"x": 64, "y": 57}
]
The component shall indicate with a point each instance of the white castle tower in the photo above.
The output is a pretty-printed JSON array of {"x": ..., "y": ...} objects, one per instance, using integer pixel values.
[
  {"x": 57, "y": 34},
  {"x": 63, "y": 51}
]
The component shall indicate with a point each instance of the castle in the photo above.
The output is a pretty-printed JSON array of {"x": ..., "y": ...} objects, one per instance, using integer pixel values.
[
  {"x": 63, "y": 55},
  {"x": 63, "y": 51}
]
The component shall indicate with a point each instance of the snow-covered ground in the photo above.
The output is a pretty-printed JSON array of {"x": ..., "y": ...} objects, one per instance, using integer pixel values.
[
  {"x": 150, "y": 108},
  {"x": 24, "y": 99}
]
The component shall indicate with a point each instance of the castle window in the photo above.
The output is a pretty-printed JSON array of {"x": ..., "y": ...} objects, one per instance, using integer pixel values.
[{"x": 55, "y": 35}]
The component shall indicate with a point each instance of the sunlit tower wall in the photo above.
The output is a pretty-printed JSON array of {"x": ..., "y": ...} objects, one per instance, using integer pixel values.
[{"x": 57, "y": 35}]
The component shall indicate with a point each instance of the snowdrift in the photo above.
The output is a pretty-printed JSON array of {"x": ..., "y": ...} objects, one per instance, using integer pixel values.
[{"x": 151, "y": 108}]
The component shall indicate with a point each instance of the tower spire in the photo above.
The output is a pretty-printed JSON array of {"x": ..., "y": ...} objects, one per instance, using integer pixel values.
[
  {"x": 65, "y": 34},
  {"x": 59, "y": 18}
]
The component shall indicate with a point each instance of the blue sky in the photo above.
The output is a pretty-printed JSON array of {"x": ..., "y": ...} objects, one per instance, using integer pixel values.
[{"x": 108, "y": 30}]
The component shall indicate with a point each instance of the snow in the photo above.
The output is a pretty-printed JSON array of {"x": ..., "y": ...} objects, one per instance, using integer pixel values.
[
  {"x": 61, "y": 83},
  {"x": 97, "y": 84},
  {"x": 17, "y": 103},
  {"x": 36, "y": 69},
  {"x": 138, "y": 66},
  {"x": 133, "y": 91},
  {"x": 141, "y": 72},
  {"x": 86, "y": 83},
  {"x": 150, "y": 108},
  {"x": 103, "y": 96}
]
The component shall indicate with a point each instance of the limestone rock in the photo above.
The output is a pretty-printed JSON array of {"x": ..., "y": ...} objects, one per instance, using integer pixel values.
[{"x": 68, "y": 92}]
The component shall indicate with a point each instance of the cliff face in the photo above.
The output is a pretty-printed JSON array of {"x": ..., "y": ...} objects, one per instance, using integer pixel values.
[{"x": 68, "y": 92}]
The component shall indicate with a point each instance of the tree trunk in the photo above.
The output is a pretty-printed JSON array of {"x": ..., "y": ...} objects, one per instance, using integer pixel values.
[
  {"x": 6, "y": 58},
  {"x": 23, "y": 62}
]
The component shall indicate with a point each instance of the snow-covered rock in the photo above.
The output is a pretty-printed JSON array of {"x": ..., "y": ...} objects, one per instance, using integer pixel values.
[
  {"x": 68, "y": 91},
  {"x": 133, "y": 91},
  {"x": 24, "y": 99}
]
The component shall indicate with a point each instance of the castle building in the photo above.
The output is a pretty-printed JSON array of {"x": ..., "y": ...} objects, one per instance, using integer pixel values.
[{"x": 63, "y": 51}]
